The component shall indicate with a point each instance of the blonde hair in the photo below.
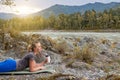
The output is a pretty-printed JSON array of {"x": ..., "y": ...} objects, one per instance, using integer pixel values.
[{"x": 32, "y": 46}]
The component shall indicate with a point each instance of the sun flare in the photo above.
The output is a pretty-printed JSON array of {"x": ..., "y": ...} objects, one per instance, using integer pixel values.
[{"x": 24, "y": 10}]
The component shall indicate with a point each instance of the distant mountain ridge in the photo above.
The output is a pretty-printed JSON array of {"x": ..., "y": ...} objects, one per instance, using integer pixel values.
[
  {"x": 59, "y": 9},
  {"x": 7, "y": 15}
]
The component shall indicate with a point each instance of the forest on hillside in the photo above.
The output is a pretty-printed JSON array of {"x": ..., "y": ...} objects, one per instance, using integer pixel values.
[{"x": 90, "y": 20}]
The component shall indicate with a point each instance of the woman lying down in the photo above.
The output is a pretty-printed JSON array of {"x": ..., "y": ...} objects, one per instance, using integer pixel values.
[{"x": 29, "y": 60}]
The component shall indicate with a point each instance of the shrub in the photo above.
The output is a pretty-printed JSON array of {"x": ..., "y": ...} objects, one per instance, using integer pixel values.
[
  {"x": 52, "y": 41},
  {"x": 69, "y": 64},
  {"x": 14, "y": 33},
  {"x": 86, "y": 53},
  {"x": 111, "y": 77},
  {"x": 57, "y": 76},
  {"x": 61, "y": 47}
]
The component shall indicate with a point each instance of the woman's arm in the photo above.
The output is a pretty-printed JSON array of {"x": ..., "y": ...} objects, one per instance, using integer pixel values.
[{"x": 35, "y": 66}]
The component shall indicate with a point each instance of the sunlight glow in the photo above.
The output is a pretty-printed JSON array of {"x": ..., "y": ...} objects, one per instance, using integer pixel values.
[{"x": 24, "y": 10}]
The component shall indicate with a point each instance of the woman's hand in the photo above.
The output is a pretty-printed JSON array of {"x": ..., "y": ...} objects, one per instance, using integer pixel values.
[
  {"x": 42, "y": 67},
  {"x": 35, "y": 66}
]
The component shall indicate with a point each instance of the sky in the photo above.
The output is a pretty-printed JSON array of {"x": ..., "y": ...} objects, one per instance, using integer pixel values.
[{"x": 31, "y": 6}]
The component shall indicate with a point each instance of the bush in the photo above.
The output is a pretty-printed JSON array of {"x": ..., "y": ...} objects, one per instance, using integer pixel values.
[
  {"x": 14, "y": 33},
  {"x": 61, "y": 47},
  {"x": 86, "y": 53},
  {"x": 111, "y": 77},
  {"x": 59, "y": 76},
  {"x": 69, "y": 64}
]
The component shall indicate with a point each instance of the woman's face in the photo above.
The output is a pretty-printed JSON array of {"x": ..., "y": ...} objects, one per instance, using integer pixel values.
[{"x": 38, "y": 47}]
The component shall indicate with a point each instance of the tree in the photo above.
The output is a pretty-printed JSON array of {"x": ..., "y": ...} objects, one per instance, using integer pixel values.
[
  {"x": 105, "y": 20},
  {"x": 93, "y": 18},
  {"x": 51, "y": 21},
  {"x": 7, "y": 2},
  {"x": 116, "y": 20},
  {"x": 86, "y": 19},
  {"x": 62, "y": 18},
  {"x": 76, "y": 21}
]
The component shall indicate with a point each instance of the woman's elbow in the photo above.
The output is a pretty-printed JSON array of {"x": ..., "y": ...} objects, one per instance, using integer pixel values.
[{"x": 32, "y": 70}]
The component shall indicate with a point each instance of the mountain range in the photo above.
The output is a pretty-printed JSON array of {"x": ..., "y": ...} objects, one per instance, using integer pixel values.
[{"x": 59, "y": 9}]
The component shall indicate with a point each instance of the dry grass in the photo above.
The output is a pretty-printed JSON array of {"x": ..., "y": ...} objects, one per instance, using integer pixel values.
[
  {"x": 10, "y": 78},
  {"x": 58, "y": 44},
  {"x": 57, "y": 76},
  {"x": 69, "y": 64},
  {"x": 106, "y": 42},
  {"x": 85, "y": 54},
  {"x": 111, "y": 77},
  {"x": 61, "y": 47},
  {"x": 14, "y": 33},
  {"x": 52, "y": 41}
]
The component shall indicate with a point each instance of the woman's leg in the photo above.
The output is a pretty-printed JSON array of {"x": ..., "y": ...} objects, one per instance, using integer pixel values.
[{"x": 8, "y": 65}]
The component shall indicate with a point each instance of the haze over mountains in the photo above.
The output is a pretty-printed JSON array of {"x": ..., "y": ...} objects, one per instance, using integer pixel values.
[{"x": 59, "y": 9}]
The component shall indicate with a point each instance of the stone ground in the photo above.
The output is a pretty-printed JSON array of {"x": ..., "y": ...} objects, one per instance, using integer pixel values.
[{"x": 103, "y": 60}]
